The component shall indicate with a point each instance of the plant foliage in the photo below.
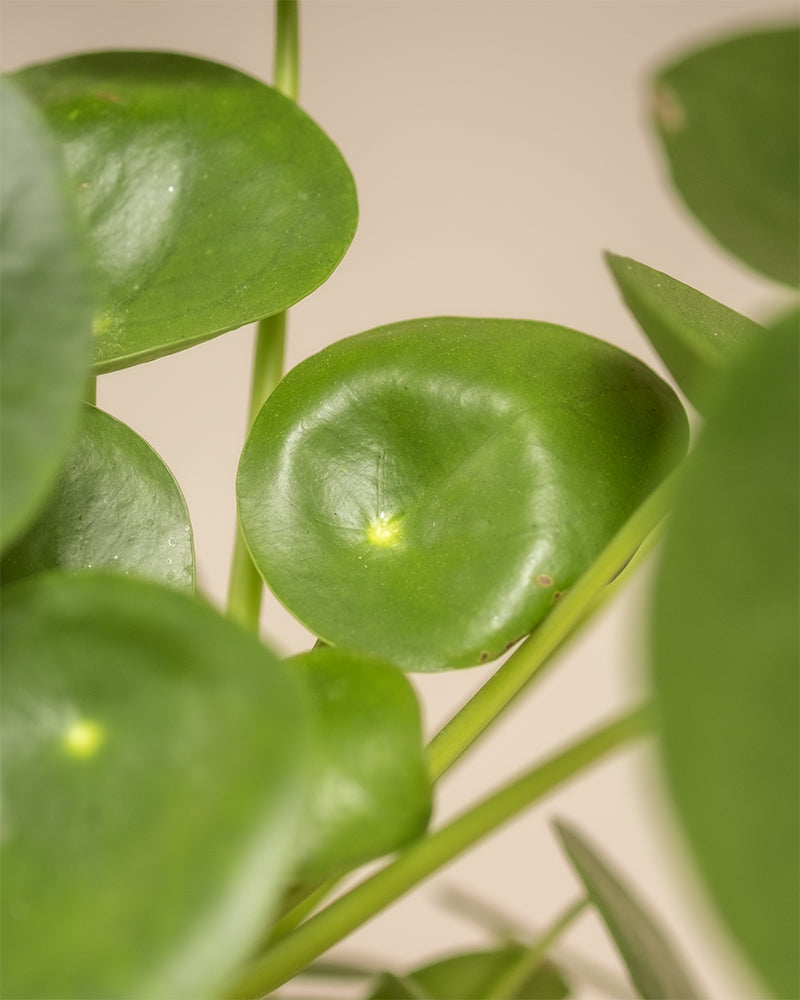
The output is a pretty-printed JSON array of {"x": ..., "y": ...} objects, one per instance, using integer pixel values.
[{"x": 422, "y": 496}]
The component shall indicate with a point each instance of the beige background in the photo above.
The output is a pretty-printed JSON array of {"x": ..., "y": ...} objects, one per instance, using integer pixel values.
[{"x": 498, "y": 148}]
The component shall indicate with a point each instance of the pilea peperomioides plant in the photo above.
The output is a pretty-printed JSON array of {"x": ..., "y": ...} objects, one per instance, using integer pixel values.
[{"x": 179, "y": 801}]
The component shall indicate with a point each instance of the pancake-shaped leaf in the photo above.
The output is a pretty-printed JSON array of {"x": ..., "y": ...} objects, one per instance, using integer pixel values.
[
  {"x": 371, "y": 792},
  {"x": 654, "y": 967},
  {"x": 425, "y": 491},
  {"x": 726, "y": 653},
  {"x": 470, "y": 975},
  {"x": 45, "y": 312},
  {"x": 155, "y": 764},
  {"x": 696, "y": 336},
  {"x": 211, "y": 199},
  {"x": 116, "y": 507},
  {"x": 728, "y": 116}
]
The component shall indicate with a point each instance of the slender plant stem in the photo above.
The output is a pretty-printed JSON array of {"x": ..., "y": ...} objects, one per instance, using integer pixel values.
[
  {"x": 503, "y": 686},
  {"x": 286, "y": 72},
  {"x": 511, "y": 981},
  {"x": 246, "y": 586},
  {"x": 301, "y": 910},
  {"x": 311, "y": 939}
]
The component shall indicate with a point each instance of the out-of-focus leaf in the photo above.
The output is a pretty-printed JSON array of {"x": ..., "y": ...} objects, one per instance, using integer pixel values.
[
  {"x": 728, "y": 115},
  {"x": 155, "y": 763},
  {"x": 116, "y": 507},
  {"x": 469, "y": 975},
  {"x": 392, "y": 987},
  {"x": 371, "y": 791},
  {"x": 726, "y": 652},
  {"x": 654, "y": 967},
  {"x": 211, "y": 199},
  {"x": 427, "y": 490},
  {"x": 45, "y": 312},
  {"x": 696, "y": 336}
]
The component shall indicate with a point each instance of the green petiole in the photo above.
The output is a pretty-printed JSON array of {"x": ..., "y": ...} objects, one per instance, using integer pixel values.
[{"x": 246, "y": 586}]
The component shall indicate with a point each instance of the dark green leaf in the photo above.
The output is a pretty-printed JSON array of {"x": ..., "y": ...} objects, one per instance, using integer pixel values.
[
  {"x": 726, "y": 653},
  {"x": 469, "y": 976},
  {"x": 155, "y": 765},
  {"x": 697, "y": 337},
  {"x": 729, "y": 118},
  {"x": 371, "y": 792},
  {"x": 392, "y": 987},
  {"x": 654, "y": 967},
  {"x": 212, "y": 200},
  {"x": 425, "y": 491},
  {"x": 45, "y": 315},
  {"x": 116, "y": 507}
]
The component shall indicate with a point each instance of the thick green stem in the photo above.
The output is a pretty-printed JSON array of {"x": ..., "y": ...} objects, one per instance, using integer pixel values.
[
  {"x": 500, "y": 690},
  {"x": 290, "y": 955},
  {"x": 246, "y": 587}
]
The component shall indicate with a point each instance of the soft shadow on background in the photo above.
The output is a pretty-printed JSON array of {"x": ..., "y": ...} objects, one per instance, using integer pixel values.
[{"x": 498, "y": 148}]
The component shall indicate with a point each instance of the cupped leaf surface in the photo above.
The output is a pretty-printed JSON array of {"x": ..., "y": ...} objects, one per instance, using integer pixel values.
[
  {"x": 696, "y": 336},
  {"x": 728, "y": 115},
  {"x": 155, "y": 762},
  {"x": 425, "y": 491},
  {"x": 116, "y": 507},
  {"x": 371, "y": 792},
  {"x": 45, "y": 312},
  {"x": 726, "y": 651},
  {"x": 211, "y": 199}
]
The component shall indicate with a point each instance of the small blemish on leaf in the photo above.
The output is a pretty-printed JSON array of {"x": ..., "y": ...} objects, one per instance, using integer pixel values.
[
  {"x": 668, "y": 110},
  {"x": 544, "y": 580}
]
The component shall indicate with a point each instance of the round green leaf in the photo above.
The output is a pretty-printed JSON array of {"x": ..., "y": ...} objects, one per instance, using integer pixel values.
[
  {"x": 212, "y": 200},
  {"x": 696, "y": 336},
  {"x": 371, "y": 793},
  {"x": 426, "y": 491},
  {"x": 471, "y": 975},
  {"x": 155, "y": 760},
  {"x": 725, "y": 656},
  {"x": 115, "y": 507},
  {"x": 45, "y": 312},
  {"x": 728, "y": 116}
]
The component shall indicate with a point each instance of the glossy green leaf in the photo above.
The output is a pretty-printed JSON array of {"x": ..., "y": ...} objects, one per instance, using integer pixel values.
[
  {"x": 653, "y": 965},
  {"x": 728, "y": 116},
  {"x": 115, "y": 507},
  {"x": 212, "y": 200},
  {"x": 696, "y": 336},
  {"x": 371, "y": 792},
  {"x": 155, "y": 763},
  {"x": 426, "y": 491},
  {"x": 470, "y": 975},
  {"x": 726, "y": 653},
  {"x": 45, "y": 312}
]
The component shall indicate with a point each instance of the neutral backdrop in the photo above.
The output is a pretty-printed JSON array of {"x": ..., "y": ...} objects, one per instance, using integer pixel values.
[{"x": 498, "y": 148}]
